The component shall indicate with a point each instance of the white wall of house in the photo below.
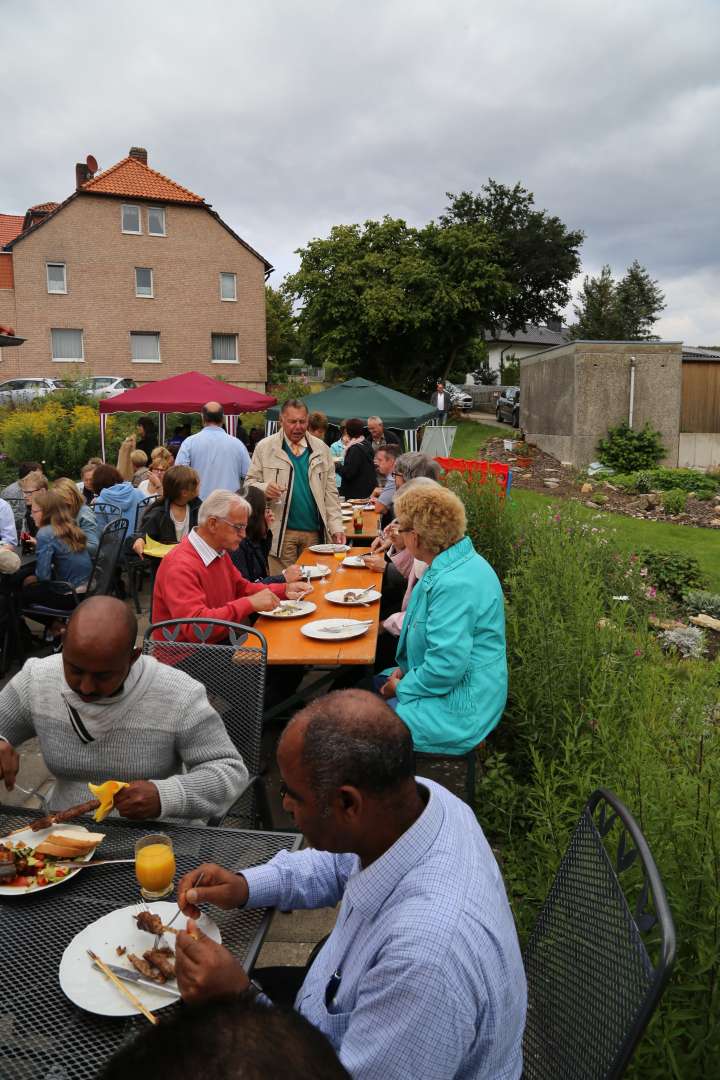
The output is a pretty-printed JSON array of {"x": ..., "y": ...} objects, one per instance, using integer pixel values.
[{"x": 699, "y": 451}]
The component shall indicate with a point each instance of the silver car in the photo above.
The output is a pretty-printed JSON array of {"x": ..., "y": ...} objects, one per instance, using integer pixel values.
[
  {"x": 108, "y": 385},
  {"x": 459, "y": 399},
  {"x": 20, "y": 390}
]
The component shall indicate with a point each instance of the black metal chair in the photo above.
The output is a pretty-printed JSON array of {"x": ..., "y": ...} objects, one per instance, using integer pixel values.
[
  {"x": 138, "y": 569},
  {"x": 105, "y": 512},
  {"x": 601, "y": 952},
  {"x": 102, "y": 575},
  {"x": 233, "y": 674}
]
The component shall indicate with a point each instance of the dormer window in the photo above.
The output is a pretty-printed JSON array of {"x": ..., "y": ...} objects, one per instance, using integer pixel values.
[
  {"x": 156, "y": 220},
  {"x": 131, "y": 219}
]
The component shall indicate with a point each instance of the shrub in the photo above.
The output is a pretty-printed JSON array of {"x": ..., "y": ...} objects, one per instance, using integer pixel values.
[
  {"x": 697, "y": 601},
  {"x": 627, "y": 450},
  {"x": 674, "y": 501},
  {"x": 62, "y": 437},
  {"x": 672, "y": 571},
  {"x": 686, "y": 641}
]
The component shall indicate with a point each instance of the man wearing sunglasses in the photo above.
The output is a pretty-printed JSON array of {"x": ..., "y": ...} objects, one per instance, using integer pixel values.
[{"x": 197, "y": 579}]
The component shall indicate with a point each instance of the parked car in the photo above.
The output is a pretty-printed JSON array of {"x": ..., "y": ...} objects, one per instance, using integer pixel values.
[
  {"x": 23, "y": 390},
  {"x": 459, "y": 399},
  {"x": 108, "y": 385},
  {"x": 507, "y": 406}
]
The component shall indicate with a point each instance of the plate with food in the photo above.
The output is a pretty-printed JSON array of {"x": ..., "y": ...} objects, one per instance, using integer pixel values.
[
  {"x": 354, "y": 560},
  {"x": 353, "y": 596},
  {"x": 290, "y": 609},
  {"x": 124, "y": 940},
  {"x": 336, "y": 629},
  {"x": 328, "y": 549},
  {"x": 31, "y": 860},
  {"x": 314, "y": 570}
]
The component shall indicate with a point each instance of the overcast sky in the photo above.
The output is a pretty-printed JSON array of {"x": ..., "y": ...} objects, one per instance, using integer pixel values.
[{"x": 291, "y": 117}]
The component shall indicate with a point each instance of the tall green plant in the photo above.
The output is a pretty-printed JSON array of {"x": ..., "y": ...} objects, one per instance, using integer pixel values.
[{"x": 491, "y": 525}]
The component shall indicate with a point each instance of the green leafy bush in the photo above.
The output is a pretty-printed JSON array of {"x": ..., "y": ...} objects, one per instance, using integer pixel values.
[
  {"x": 627, "y": 450},
  {"x": 698, "y": 600},
  {"x": 643, "y": 480},
  {"x": 63, "y": 437},
  {"x": 672, "y": 572},
  {"x": 491, "y": 527},
  {"x": 674, "y": 501}
]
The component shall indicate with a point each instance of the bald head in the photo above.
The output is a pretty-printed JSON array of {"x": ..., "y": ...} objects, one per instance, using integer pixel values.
[
  {"x": 99, "y": 647},
  {"x": 352, "y": 737},
  {"x": 212, "y": 412}
]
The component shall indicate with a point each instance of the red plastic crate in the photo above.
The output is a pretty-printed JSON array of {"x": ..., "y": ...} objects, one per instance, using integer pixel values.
[{"x": 501, "y": 472}]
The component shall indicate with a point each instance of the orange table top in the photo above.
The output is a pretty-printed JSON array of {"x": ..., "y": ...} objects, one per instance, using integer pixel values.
[
  {"x": 286, "y": 643},
  {"x": 369, "y": 529}
]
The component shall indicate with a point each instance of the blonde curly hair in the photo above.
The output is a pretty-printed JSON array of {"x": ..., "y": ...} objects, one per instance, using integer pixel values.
[{"x": 433, "y": 512}]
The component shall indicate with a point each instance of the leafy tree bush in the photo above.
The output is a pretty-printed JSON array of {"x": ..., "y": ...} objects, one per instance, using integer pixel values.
[
  {"x": 493, "y": 531},
  {"x": 627, "y": 450},
  {"x": 674, "y": 501},
  {"x": 64, "y": 437},
  {"x": 703, "y": 485},
  {"x": 672, "y": 571},
  {"x": 697, "y": 601}
]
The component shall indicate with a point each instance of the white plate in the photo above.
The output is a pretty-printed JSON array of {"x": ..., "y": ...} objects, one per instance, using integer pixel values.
[
  {"x": 328, "y": 549},
  {"x": 338, "y": 597},
  {"x": 318, "y": 629},
  {"x": 33, "y": 839},
  {"x": 368, "y": 506},
  {"x": 305, "y": 607},
  {"x": 85, "y": 984},
  {"x": 315, "y": 571},
  {"x": 354, "y": 560},
  {"x": 346, "y": 506}
]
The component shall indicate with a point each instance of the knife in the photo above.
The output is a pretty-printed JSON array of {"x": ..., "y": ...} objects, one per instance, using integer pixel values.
[{"x": 136, "y": 977}]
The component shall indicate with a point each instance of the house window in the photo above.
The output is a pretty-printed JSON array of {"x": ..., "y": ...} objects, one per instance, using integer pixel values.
[
  {"x": 143, "y": 281},
  {"x": 56, "y": 280},
  {"x": 131, "y": 219},
  {"x": 145, "y": 347},
  {"x": 67, "y": 345},
  {"x": 156, "y": 221},
  {"x": 228, "y": 287},
  {"x": 224, "y": 349}
]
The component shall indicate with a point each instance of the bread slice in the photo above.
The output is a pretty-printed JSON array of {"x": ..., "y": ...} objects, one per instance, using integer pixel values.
[{"x": 69, "y": 843}]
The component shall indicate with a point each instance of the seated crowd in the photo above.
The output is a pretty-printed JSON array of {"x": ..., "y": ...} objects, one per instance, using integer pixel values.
[{"x": 422, "y": 974}]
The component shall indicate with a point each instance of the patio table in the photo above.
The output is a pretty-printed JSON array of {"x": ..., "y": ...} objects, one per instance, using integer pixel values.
[
  {"x": 43, "y": 1036},
  {"x": 369, "y": 529},
  {"x": 287, "y": 644}
]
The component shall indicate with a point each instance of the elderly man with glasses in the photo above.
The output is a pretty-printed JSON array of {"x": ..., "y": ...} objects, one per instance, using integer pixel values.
[{"x": 197, "y": 579}]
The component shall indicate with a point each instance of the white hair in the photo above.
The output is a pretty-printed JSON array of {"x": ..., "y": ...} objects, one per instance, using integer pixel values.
[
  {"x": 219, "y": 503},
  {"x": 378, "y": 420}
]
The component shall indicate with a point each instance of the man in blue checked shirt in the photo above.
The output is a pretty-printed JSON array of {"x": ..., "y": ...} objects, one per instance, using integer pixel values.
[{"x": 422, "y": 974}]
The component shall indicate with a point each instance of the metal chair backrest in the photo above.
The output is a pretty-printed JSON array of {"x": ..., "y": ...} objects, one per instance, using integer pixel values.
[
  {"x": 18, "y": 507},
  {"x": 142, "y": 507},
  {"x": 108, "y": 554},
  {"x": 105, "y": 512},
  {"x": 233, "y": 673},
  {"x": 601, "y": 952}
]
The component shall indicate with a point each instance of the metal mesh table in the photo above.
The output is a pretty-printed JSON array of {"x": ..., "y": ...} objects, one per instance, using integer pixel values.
[{"x": 43, "y": 1036}]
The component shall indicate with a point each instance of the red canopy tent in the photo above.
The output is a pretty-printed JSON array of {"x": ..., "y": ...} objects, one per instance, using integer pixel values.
[{"x": 184, "y": 393}]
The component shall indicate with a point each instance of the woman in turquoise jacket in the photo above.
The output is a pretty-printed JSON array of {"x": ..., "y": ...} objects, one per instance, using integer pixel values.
[{"x": 450, "y": 683}]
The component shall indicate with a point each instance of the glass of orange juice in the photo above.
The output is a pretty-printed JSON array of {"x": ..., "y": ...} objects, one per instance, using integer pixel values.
[{"x": 155, "y": 865}]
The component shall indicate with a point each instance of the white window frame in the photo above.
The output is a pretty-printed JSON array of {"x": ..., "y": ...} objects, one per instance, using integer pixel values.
[
  {"x": 145, "y": 333},
  {"x": 228, "y": 299},
  {"x": 68, "y": 359},
  {"x": 142, "y": 295},
  {"x": 56, "y": 292},
  {"x": 219, "y": 333},
  {"x": 161, "y": 209},
  {"x": 131, "y": 232}
]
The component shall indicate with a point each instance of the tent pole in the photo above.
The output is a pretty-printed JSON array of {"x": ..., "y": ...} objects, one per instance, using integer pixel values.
[{"x": 102, "y": 435}]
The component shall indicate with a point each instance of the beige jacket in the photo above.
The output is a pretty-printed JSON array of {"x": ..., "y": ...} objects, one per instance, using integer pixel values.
[{"x": 271, "y": 465}]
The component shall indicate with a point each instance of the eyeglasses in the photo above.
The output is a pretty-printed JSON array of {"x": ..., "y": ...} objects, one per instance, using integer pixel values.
[
  {"x": 31, "y": 491},
  {"x": 237, "y": 528},
  {"x": 397, "y": 473},
  {"x": 404, "y": 530}
]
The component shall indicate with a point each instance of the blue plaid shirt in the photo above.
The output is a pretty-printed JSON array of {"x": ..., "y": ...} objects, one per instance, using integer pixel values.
[{"x": 422, "y": 974}]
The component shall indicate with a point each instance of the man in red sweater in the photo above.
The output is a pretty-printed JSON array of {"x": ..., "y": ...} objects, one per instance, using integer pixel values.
[{"x": 197, "y": 580}]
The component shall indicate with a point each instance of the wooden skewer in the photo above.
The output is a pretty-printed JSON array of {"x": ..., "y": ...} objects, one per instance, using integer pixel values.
[{"x": 123, "y": 988}]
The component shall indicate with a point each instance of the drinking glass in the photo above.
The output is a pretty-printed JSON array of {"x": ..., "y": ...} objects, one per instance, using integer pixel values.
[{"x": 155, "y": 865}]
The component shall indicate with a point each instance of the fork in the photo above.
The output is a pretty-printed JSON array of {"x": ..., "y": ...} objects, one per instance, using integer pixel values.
[
  {"x": 158, "y": 937},
  {"x": 36, "y": 794},
  {"x": 347, "y": 626}
]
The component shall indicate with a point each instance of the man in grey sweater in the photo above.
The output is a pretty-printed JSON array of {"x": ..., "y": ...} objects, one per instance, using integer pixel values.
[{"x": 101, "y": 711}]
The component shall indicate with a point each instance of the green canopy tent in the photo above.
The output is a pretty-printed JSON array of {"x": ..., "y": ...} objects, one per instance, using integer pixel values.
[{"x": 362, "y": 398}]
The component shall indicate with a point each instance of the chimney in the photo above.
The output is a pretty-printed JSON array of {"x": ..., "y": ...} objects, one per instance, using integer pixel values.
[
  {"x": 82, "y": 175},
  {"x": 555, "y": 325},
  {"x": 139, "y": 153}
]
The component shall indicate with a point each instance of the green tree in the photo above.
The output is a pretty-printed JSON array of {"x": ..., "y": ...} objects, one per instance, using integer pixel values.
[
  {"x": 282, "y": 336},
  {"x": 399, "y": 304},
  {"x": 624, "y": 310}
]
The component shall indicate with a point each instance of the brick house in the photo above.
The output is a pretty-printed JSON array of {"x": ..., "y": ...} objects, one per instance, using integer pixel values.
[{"x": 132, "y": 276}]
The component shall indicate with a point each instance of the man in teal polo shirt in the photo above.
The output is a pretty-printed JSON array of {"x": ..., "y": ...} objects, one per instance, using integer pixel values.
[{"x": 297, "y": 474}]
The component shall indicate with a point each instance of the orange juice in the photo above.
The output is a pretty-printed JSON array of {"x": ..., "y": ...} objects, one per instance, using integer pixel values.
[
  {"x": 340, "y": 555},
  {"x": 155, "y": 869}
]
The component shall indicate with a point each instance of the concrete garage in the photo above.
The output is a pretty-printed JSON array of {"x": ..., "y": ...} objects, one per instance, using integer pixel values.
[{"x": 571, "y": 395}]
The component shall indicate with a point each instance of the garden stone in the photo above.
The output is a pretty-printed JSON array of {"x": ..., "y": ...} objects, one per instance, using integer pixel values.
[
  {"x": 586, "y": 489},
  {"x": 707, "y": 621}
]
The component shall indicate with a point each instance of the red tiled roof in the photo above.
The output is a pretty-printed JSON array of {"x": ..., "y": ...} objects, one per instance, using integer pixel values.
[
  {"x": 10, "y": 226},
  {"x": 132, "y": 179},
  {"x": 44, "y": 207}
]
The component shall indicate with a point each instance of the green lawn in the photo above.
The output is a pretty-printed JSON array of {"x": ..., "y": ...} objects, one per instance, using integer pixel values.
[
  {"x": 631, "y": 534},
  {"x": 471, "y": 436}
]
